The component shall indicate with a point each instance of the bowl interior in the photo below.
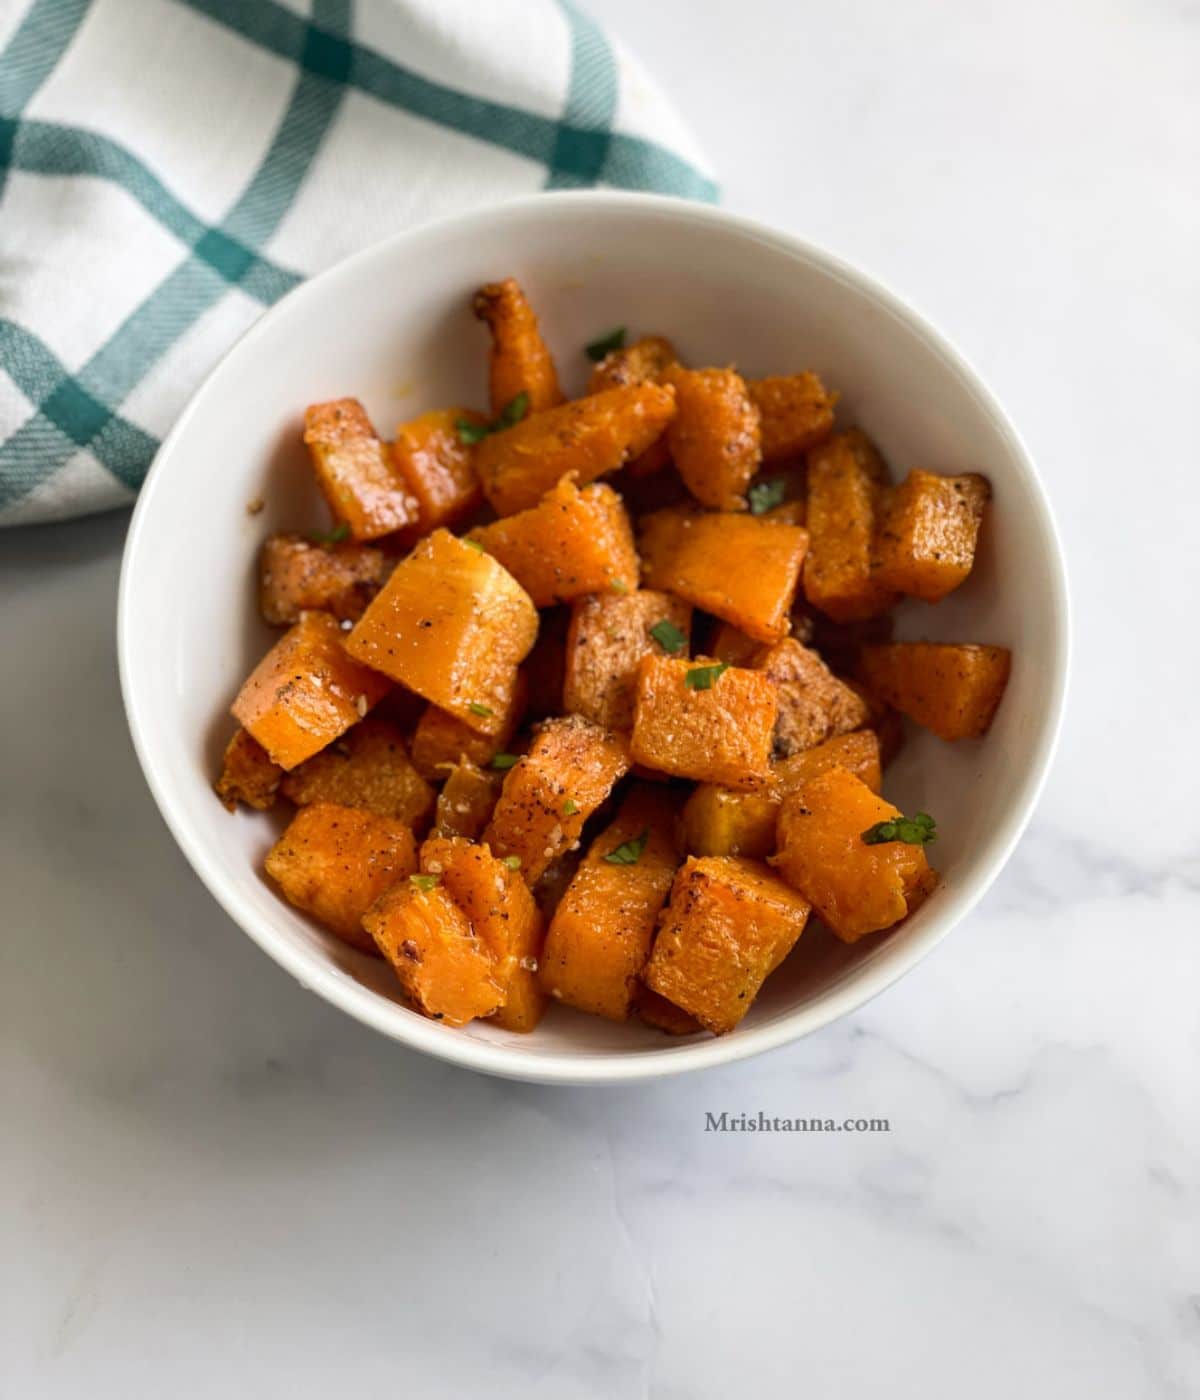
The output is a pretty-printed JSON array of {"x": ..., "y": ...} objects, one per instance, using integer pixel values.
[{"x": 393, "y": 327}]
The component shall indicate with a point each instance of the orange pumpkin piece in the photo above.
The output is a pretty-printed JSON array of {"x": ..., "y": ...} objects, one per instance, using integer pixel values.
[
  {"x": 730, "y": 644},
  {"x": 694, "y": 720},
  {"x": 501, "y": 910},
  {"x": 742, "y": 568},
  {"x": 520, "y": 362},
  {"x": 295, "y": 576},
  {"x": 369, "y": 768},
  {"x": 858, "y": 753},
  {"x": 926, "y": 540},
  {"x": 663, "y": 1015},
  {"x": 609, "y": 634},
  {"x": 813, "y": 704},
  {"x": 354, "y": 470},
  {"x": 600, "y": 936},
  {"x": 856, "y": 888},
  {"x": 247, "y": 774},
  {"x": 588, "y": 438},
  {"x": 730, "y": 922},
  {"x": 950, "y": 688},
  {"x": 467, "y": 800},
  {"x": 847, "y": 479},
  {"x": 571, "y": 767},
  {"x": 452, "y": 624},
  {"x": 646, "y": 360},
  {"x": 430, "y": 457},
  {"x": 440, "y": 739},
  {"x": 796, "y": 412},
  {"x": 334, "y": 862},
  {"x": 571, "y": 543},
  {"x": 306, "y": 692},
  {"x": 722, "y": 821},
  {"x": 714, "y": 437},
  {"x": 445, "y": 968}
]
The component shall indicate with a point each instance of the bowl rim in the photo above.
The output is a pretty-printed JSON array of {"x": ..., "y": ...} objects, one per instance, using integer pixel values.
[{"x": 618, "y": 1066}]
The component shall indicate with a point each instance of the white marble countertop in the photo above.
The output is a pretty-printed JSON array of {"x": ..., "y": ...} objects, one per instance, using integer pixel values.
[{"x": 216, "y": 1185}]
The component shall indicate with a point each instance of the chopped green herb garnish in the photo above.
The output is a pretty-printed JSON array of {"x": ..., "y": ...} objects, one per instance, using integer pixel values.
[
  {"x": 598, "y": 348},
  {"x": 570, "y": 807},
  {"x": 503, "y": 760},
  {"x": 513, "y": 862},
  {"x": 618, "y": 585},
  {"x": 629, "y": 852},
  {"x": 513, "y": 411},
  {"x": 475, "y": 544},
  {"x": 766, "y": 495},
  {"x": 339, "y": 532},
  {"x": 704, "y": 677},
  {"x": 477, "y": 709},
  {"x": 916, "y": 831},
  {"x": 668, "y": 636},
  {"x": 471, "y": 433},
  {"x": 425, "y": 882}
]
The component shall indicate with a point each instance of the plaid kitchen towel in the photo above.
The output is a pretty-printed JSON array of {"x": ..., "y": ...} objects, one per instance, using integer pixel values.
[{"x": 168, "y": 168}]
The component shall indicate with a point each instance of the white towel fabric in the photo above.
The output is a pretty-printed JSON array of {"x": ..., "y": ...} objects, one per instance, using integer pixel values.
[{"x": 168, "y": 168}]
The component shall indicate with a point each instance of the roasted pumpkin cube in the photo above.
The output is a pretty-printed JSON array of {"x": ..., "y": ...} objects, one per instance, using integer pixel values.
[
  {"x": 646, "y": 360},
  {"x": 452, "y": 624},
  {"x": 796, "y": 412},
  {"x": 520, "y": 362},
  {"x": 295, "y": 576},
  {"x": 855, "y": 887},
  {"x": 704, "y": 721},
  {"x": 600, "y": 936},
  {"x": 306, "y": 692},
  {"x": 662, "y": 1014},
  {"x": 334, "y": 862},
  {"x": 608, "y": 636},
  {"x": 443, "y": 965},
  {"x": 730, "y": 922},
  {"x": 501, "y": 911},
  {"x": 369, "y": 767},
  {"x": 742, "y": 568},
  {"x": 858, "y": 753},
  {"x": 571, "y": 543},
  {"x": 730, "y": 644},
  {"x": 588, "y": 437},
  {"x": 247, "y": 774},
  {"x": 714, "y": 437},
  {"x": 925, "y": 544},
  {"x": 525, "y": 1003},
  {"x": 571, "y": 767},
  {"x": 354, "y": 470},
  {"x": 951, "y": 688},
  {"x": 847, "y": 479},
  {"x": 467, "y": 799},
  {"x": 813, "y": 704},
  {"x": 440, "y": 739},
  {"x": 438, "y": 467},
  {"x": 724, "y": 821}
]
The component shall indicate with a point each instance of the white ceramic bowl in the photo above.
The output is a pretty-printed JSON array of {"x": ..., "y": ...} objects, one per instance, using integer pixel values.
[{"x": 392, "y": 326}]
